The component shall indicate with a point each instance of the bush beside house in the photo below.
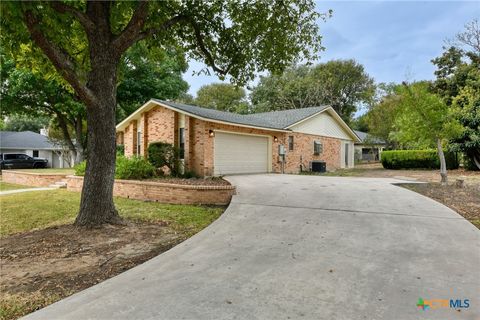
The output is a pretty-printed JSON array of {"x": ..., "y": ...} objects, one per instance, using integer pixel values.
[
  {"x": 417, "y": 159},
  {"x": 162, "y": 154},
  {"x": 135, "y": 168}
]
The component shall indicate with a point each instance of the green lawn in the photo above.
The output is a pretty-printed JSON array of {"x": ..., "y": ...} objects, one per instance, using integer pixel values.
[
  {"x": 38, "y": 210},
  {"x": 4, "y": 186},
  {"x": 50, "y": 170}
]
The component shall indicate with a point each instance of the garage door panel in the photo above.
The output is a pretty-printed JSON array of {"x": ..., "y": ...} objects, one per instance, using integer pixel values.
[{"x": 235, "y": 153}]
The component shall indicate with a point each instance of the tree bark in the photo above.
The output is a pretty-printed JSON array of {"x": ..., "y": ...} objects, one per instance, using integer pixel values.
[
  {"x": 96, "y": 206},
  {"x": 443, "y": 164}
]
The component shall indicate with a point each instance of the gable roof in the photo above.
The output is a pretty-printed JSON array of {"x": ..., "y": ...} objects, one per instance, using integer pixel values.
[
  {"x": 25, "y": 140},
  {"x": 364, "y": 136},
  {"x": 275, "y": 120}
]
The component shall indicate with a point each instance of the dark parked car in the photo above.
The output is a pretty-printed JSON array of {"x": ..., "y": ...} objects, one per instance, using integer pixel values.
[{"x": 21, "y": 161}]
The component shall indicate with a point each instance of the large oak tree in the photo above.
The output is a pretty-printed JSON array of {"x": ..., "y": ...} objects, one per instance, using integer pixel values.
[{"x": 85, "y": 42}]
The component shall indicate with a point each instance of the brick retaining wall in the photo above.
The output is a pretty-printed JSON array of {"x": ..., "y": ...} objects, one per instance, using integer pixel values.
[
  {"x": 31, "y": 179},
  {"x": 164, "y": 192}
]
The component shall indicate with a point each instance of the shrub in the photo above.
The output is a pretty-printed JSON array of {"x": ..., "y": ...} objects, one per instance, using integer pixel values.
[
  {"x": 80, "y": 168},
  {"x": 161, "y": 154},
  {"x": 468, "y": 163},
  {"x": 120, "y": 150},
  {"x": 133, "y": 168},
  {"x": 416, "y": 159},
  {"x": 125, "y": 168}
]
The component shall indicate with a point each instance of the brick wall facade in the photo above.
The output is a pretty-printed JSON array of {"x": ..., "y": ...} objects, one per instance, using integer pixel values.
[
  {"x": 130, "y": 139},
  {"x": 161, "y": 124},
  {"x": 302, "y": 152},
  {"x": 31, "y": 179},
  {"x": 164, "y": 192}
]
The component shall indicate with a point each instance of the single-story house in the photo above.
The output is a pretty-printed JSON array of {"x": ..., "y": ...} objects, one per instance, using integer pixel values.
[
  {"x": 369, "y": 148},
  {"x": 35, "y": 145},
  {"x": 218, "y": 143}
]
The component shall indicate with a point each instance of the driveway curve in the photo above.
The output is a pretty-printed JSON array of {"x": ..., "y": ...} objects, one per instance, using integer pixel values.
[{"x": 302, "y": 247}]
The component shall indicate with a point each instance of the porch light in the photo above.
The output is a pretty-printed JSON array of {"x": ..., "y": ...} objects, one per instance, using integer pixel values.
[
  {"x": 211, "y": 133},
  {"x": 275, "y": 139}
]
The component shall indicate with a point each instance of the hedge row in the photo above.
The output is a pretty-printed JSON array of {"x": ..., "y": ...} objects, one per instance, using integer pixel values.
[{"x": 413, "y": 159}]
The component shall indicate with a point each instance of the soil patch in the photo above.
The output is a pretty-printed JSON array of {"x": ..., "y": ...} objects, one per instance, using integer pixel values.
[
  {"x": 193, "y": 181},
  {"x": 465, "y": 201},
  {"x": 40, "y": 267}
]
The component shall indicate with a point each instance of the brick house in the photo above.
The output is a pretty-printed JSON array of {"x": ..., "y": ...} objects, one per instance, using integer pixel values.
[{"x": 218, "y": 143}]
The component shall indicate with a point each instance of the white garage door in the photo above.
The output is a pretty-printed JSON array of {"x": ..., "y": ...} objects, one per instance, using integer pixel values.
[{"x": 236, "y": 153}]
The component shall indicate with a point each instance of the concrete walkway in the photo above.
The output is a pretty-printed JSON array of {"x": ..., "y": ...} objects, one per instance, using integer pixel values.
[
  {"x": 4, "y": 193},
  {"x": 302, "y": 247}
]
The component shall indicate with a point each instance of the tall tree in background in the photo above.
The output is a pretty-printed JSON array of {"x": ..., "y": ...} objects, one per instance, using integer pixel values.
[
  {"x": 382, "y": 113},
  {"x": 424, "y": 118},
  {"x": 223, "y": 97},
  {"x": 149, "y": 72},
  {"x": 85, "y": 42},
  {"x": 26, "y": 95},
  {"x": 458, "y": 83},
  {"x": 22, "y": 122},
  {"x": 343, "y": 84}
]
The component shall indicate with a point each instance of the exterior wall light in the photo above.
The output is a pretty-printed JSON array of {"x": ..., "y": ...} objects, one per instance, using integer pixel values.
[
  {"x": 211, "y": 133},
  {"x": 275, "y": 139}
]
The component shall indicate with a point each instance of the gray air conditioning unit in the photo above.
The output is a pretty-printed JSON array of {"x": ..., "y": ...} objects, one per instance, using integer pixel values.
[{"x": 318, "y": 166}]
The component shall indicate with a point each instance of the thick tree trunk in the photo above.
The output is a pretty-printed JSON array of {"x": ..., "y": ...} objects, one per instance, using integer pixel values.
[
  {"x": 443, "y": 163},
  {"x": 96, "y": 206}
]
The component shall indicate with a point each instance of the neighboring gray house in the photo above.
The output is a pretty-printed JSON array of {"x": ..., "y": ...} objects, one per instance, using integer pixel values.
[
  {"x": 34, "y": 145},
  {"x": 369, "y": 149}
]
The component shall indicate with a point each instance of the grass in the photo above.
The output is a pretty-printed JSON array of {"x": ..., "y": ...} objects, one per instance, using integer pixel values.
[
  {"x": 29, "y": 211},
  {"x": 49, "y": 170},
  {"x": 13, "y": 306},
  {"x": 4, "y": 186},
  {"x": 42, "y": 209}
]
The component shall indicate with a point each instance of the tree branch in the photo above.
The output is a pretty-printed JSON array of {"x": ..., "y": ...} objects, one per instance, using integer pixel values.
[
  {"x": 66, "y": 135},
  {"x": 60, "y": 59},
  {"x": 81, "y": 17},
  {"x": 130, "y": 34},
  {"x": 164, "y": 27},
  {"x": 201, "y": 44}
]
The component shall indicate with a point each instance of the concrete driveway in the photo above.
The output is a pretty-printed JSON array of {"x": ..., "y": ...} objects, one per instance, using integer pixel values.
[{"x": 302, "y": 247}]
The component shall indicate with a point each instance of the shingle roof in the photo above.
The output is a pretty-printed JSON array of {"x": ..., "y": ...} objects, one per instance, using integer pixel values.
[
  {"x": 274, "y": 120},
  {"x": 363, "y": 136},
  {"x": 285, "y": 118},
  {"x": 25, "y": 140}
]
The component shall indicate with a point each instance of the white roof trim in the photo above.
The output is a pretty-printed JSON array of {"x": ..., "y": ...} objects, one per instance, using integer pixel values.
[
  {"x": 148, "y": 105},
  {"x": 336, "y": 117}
]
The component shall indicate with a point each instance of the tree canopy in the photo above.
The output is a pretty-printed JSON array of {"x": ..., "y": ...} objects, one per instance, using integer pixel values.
[
  {"x": 149, "y": 72},
  {"x": 343, "y": 84},
  {"x": 222, "y": 96},
  {"x": 458, "y": 83}
]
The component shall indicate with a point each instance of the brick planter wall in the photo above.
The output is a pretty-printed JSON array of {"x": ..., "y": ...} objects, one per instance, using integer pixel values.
[
  {"x": 31, "y": 179},
  {"x": 164, "y": 192}
]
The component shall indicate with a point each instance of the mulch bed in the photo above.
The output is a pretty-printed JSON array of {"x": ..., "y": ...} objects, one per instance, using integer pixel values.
[
  {"x": 465, "y": 201},
  {"x": 193, "y": 181},
  {"x": 43, "y": 266}
]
